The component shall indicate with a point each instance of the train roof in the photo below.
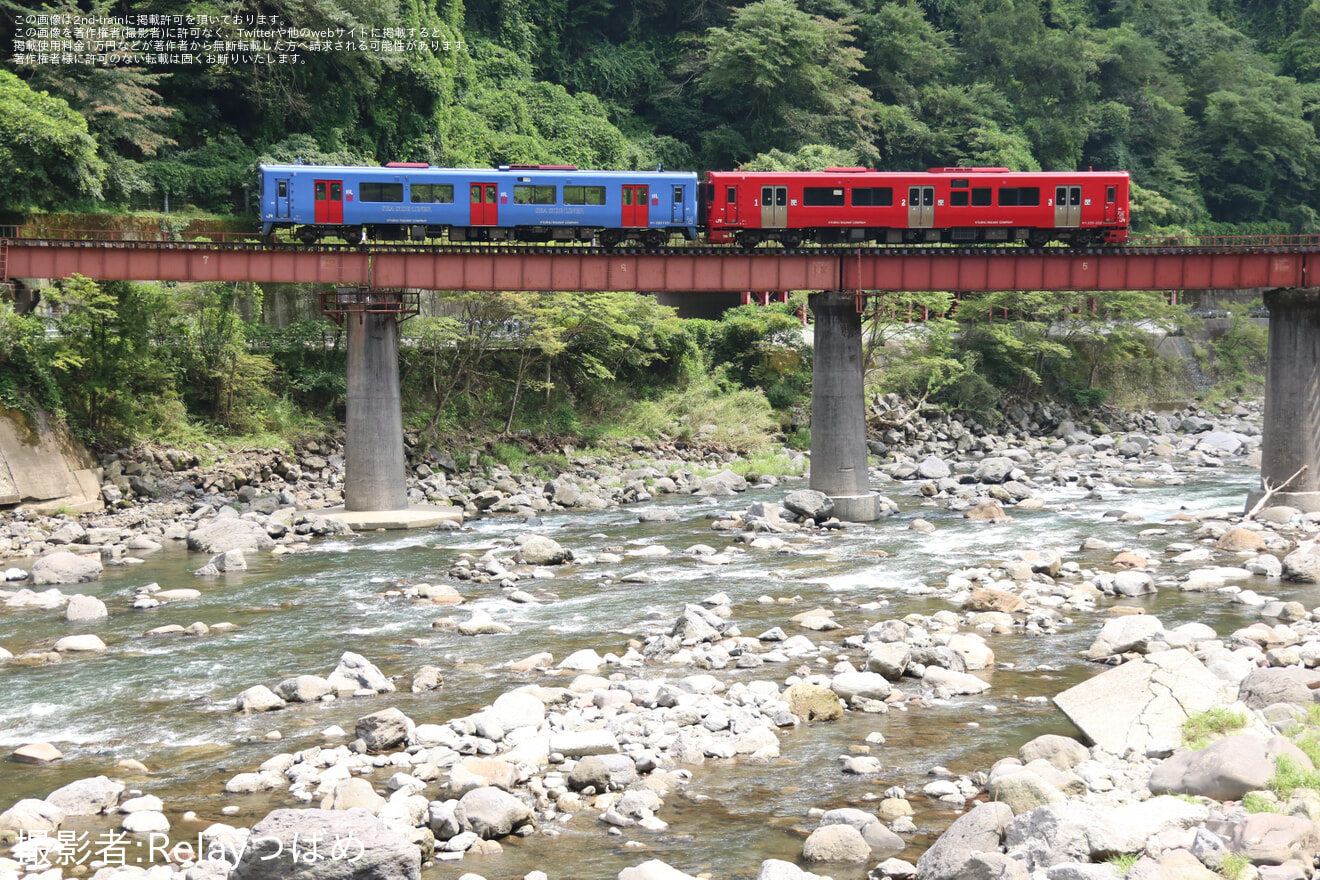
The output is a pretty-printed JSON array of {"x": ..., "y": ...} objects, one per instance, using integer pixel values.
[
  {"x": 930, "y": 173},
  {"x": 411, "y": 168}
]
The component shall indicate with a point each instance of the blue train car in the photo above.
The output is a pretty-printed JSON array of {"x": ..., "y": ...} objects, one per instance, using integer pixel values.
[{"x": 408, "y": 201}]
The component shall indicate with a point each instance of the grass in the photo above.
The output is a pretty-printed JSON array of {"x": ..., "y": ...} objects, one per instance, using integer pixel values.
[
  {"x": 1234, "y": 865},
  {"x": 1260, "y": 802},
  {"x": 1290, "y": 776},
  {"x": 739, "y": 419},
  {"x": 1203, "y": 728},
  {"x": 1123, "y": 863}
]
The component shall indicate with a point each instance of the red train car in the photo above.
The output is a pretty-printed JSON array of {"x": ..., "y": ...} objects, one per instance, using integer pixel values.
[{"x": 958, "y": 205}]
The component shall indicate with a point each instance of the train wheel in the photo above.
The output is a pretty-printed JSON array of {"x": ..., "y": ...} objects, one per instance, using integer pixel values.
[
  {"x": 610, "y": 238},
  {"x": 1038, "y": 238},
  {"x": 748, "y": 239},
  {"x": 309, "y": 235},
  {"x": 653, "y": 238},
  {"x": 791, "y": 240}
]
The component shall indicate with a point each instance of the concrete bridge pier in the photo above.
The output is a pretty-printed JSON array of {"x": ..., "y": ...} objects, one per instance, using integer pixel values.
[
  {"x": 1292, "y": 400},
  {"x": 373, "y": 425},
  {"x": 838, "y": 409}
]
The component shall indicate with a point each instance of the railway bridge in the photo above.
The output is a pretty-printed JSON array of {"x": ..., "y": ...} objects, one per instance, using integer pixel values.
[{"x": 373, "y": 285}]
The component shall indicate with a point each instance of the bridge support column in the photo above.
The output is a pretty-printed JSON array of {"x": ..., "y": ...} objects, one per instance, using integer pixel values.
[
  {"x": 1292, "y": 400},
  {"x": 838, "y": 409},
  {"x": 373, "y": 425}
]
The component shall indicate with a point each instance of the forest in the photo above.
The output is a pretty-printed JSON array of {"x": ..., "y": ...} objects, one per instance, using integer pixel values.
[{"x": 1210, "y": 104}]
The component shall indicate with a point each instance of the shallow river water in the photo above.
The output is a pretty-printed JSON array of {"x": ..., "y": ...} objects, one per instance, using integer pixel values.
[{"x": 169, "y": 701}]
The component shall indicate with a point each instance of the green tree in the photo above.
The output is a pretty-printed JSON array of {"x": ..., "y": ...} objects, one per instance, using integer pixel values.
[
  {"x": 46, "y": 152},
  {"x": 782, "y": 77}
]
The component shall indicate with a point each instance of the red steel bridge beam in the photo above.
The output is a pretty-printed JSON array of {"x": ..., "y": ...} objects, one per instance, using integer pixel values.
[{"x": 701, "y": 269}]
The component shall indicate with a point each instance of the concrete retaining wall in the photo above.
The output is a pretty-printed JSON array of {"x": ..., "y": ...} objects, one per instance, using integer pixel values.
[{"x": 43, "y": 467}]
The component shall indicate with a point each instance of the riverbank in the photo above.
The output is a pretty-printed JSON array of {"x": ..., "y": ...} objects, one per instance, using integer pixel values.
[{"x": 702, "y": 686}]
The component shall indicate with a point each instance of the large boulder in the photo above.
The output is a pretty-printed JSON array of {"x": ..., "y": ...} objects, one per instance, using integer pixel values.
[
  {"x": 1226, "y": 769},
  {"x": 603, "y": 773},
  {"x": 1078, "y": 831},
  {"x": 540, "y": 550},
  {"x": 355, "y": 673},
  {"x": 1131, "y": 705},
  {"x": 85, "y": 609},
  {"x": 836, "y": 843},
  {"x": 32, "y": 815},
  {"x": 977, "y": 831},
  {"x": 1119, "y": 635},
  {"x": 810, "y": 504},
  {"x": 229, "y": 533},
  {"x": 1265, "y": 687},
  {"x": 384, "y": 730},
  {"x": 93, "y": 796},
  {"x": 812, "y": 702},
  {"x": 1303, "y": 564},
  {"x": 1063, "y": 752},
  {"x": 1272, "y": 839},
  {"x": 64, "y": 567},
  {"x": 259, "y": 698},
  {"x": 303, "y": 688},
  {"x": 366, "y": 849},
  {"x": 863, "y": 685},
  {"x": 492, "y": 813}
]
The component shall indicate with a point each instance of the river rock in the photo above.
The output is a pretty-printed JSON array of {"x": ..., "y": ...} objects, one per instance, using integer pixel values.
[
  {"x": 87, "y": 643},
  {"x": 492, "y": 813},
  {"x": 726, "y": 482},
  {"x": 32, "y": 815},
  {"x": 1078, "y": 831},
  {"x": 836, "y": 843},
  {"x": 933, "y": 468},
  {"x": 877, "y": 836},
  {"x": 303, "y": 689},
  {"x": 1063, "y": 752},
  {"x": 1303, "y": 564},
  {"x": 1132, "y": 632},
  {"x": 889, "y": 659},
  {"x": 93, "y": 796},
  {"x": 351, "y": 794},
  {"x": 990, "y": 599},
  {"x": 1272, "y": 839},
  {"x": 581, "y": 743},
  {"x": 1265, "y": 687},
  {"x": 989, "y": 511},
  {"x": 603, "y": 772},
  {"x": 384, "y": 854},
  {"x": 865, "y": 685},
  {"x": 64, "y": 567},
  {"x": 1149, "y": 699},
  {"x": 812, "y": 702},
  {"x": 540, "y": 550},
  {"x": 259, "y": 698},
  {"x": 810, "y": 504},
  {"x": 355, "y": 673},
  {"x": 480, "y": 623},
  {"x": 777, "y": 869},
  {"x": 979, "y": 830},
  {"x": 145, "y": 822},
  {"x": 995, "y": 469},
  {"x": 229, "y": 533},
  {"x": 384, "y": 730},
  {"x": 1226, "y": 769},
  {"x": 953, "y": 681},
  {"x": 653, "y": 870},
  {"x": 1133, "y": 583},
  {"x": 85, "y": 609},
  {"x": 37, "y": 753},
  {"x": 514, "y": 710},
  {"x": 1239, "y": 540},
  {"x": 1022, "y": 790}
]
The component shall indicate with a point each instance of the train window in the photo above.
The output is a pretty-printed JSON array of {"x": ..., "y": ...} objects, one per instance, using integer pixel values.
[
  {"x": 337, "y": 192},
  {"x": 732, "y": 195},
  {"x": 283, "y": 188},
  {"x": 1013, "y": 196},
  {"x": 627, "y": 195},
  {"x": 958, "y": 198},
  {"x": 1075, "y": 196},
  {"x": 678, "y": 195},
  {"x": 533, "y": 195},
  {"x": 320, "y": 191},
  {"x": 584, "y": 195},
  {"x": 379, "y": 192},
  {"x": 980, "y": 195},
  {"x": 822, "y": 195},
  {"x": 959, "y": 184},
  {"x": 872, "y": 196},
  {"x": 1110, "y": 194},
  {"x": 433, "y": 193}
]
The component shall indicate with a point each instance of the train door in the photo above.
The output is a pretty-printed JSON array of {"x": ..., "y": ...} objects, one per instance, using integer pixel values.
[
  {"x": 636, "y": 206},
  {"x": 921, "y": 207},
  {"x": 774, "y": 207},
  {"x": 282, "y": 198},
  {"x": 1111, "y": 204},
  {"x": 1067, "y": 206},
  {"x": 676, "y": 212},
  {"x": 484, "y": 209},
  {"x": 731, "y": 205},
  {"x": 329, "y": 201}
]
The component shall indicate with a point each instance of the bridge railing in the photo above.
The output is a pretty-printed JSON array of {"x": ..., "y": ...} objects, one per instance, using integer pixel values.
[
  {"x": 132, "y": 235},
  {"x": 1224, "y": 241}
]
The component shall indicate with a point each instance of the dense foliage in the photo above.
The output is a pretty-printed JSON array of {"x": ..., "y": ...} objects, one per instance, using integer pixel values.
[{"x": 1211, "y": 104}]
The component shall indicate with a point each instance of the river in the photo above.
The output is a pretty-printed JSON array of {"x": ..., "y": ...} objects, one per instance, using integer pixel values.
[{"x": 169, "y": 701}]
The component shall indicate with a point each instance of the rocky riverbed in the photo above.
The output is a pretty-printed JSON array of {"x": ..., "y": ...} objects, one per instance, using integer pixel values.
[{"x": 618, "y": 737}]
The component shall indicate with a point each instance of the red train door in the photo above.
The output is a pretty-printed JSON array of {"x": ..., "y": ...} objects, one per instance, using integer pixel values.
[
  {"x": 636, "y": 206},
  {"x": 731, "y": 206},
  {"x": 1111, "y": 204},
  {"x": 329, "y": 201},
  {"x": 485, "y": 208}
]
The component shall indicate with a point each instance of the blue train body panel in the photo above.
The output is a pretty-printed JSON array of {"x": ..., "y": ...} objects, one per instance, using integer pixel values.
[{"x": 470, "y": 202}]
